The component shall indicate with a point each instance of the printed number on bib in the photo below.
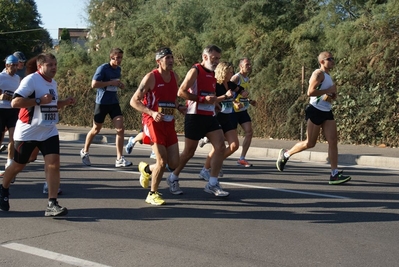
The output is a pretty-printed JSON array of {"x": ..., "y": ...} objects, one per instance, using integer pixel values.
[
  {"x": 203, "y": 106},
  {"x": 167, "y": 109},
  {"x": 49, "y": 115}
]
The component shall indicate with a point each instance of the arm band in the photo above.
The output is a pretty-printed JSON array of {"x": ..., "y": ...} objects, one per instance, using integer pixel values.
[{"x": 240, "y": 89}]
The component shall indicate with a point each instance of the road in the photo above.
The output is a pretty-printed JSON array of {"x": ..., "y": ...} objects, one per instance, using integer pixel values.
[{"x": 293, "y": 218}]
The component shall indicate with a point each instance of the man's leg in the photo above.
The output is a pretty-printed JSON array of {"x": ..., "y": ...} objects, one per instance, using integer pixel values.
[
  {"x": 91, "y": 134},
  {"x": 188, "y": 152},
  {"x": 330, "y": 132},
  {"x": 10, "y": 145},
  {"x": 247, "y": 127},
  {"x": 312, "y": 132},
  {"x": 52, "y": 172},
  {"x": 120, "y": 135},
  {"x": 217, "y": 140}
]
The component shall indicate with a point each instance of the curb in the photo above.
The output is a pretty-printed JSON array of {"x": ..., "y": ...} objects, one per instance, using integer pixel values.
[{"x": 265, "y": 153}]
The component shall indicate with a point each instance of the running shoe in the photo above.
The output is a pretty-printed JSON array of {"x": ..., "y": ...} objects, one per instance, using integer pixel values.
[
  {"x": 144, "y": 177},
  {"x": 130, "y": 144},
  {"x": 217, "y": 190},
  {"x": 281, "y": 160},
  {"x": 174, "y": 187},
  {"x": 153, "y": 156},
  {"x": 243, "y": 162},
  {"x": 339, "y": 178},
  {"x": 85, "y": 158},
  {"x": 53, "y": 209},
  {"x": 122, "y": 162},
  {"x": 4, "y": 204},
  {"x": 204, "y": 174},
  {"x": 203, "y": 141},
  {"x": 3, "y": 148},
  {"x": 45, "y": 189},
  {"x": 155, "y": 199}
]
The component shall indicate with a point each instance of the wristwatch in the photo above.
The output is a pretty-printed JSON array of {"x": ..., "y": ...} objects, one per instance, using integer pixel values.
[{"x": 38, "y": 101}]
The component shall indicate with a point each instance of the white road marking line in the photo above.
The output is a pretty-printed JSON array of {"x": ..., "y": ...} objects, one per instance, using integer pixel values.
[
  {"x": 248, "y": 186},
  {"x": 52, "y": 255},
  {"x": 285, "y": 190}
]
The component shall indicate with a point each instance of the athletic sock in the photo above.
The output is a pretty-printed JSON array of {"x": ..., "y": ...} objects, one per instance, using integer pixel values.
[
  {"x": 147, "y": 169},
  {"x": 213, "y": 181}
]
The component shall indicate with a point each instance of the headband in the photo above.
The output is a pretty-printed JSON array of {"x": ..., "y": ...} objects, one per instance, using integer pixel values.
[{"x": 162, "y": 53}]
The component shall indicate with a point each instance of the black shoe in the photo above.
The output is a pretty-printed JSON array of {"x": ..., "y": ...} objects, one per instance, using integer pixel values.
[
  {"x": 281, "y": 160},
  {"x": 339, "y": 178},
  {"x": 54, "y": 209},
  {"x": 4, "y": 204}
]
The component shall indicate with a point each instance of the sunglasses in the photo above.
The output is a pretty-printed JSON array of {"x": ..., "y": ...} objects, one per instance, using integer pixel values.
[{"x": 329, "y": 59}]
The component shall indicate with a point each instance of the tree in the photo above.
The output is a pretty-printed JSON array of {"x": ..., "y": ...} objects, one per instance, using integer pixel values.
[
  {"x": 21, "y": 29},
  {"x": 65, "y": 36}
]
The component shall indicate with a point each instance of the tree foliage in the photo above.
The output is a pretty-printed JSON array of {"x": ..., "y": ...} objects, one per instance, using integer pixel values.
[
  {"x": 20, "y": 28},
  {"x": 280, "y": 37}
]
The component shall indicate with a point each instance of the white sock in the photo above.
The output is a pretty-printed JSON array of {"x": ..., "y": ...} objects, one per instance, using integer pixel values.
[
  {"x": 213, "y": 181},
  {"x": 9, "y": 161},
  {"x": 286, "y": 155},
  {"x": 334, "y": 172},
  {"x": 172, "y": 177},
  {"x": 205, "y": 169}
]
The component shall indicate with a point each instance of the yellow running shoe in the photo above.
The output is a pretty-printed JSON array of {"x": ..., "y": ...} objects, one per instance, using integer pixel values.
[
  {"x": 144, "y": 177},
  {"x": 155, "y": 199}
]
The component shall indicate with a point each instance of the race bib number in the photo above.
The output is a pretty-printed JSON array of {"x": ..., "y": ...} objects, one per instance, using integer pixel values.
[
  {"x": 167, "y": 109},
  {"x": 112, "y": 88},
  {"x": 244, "y": 104},
  {"x": 48, "y": 115},
  {"x": 227, "y": 106},
  {"x": 7, "y": 95},
  {"x": 204, "y": 106}
]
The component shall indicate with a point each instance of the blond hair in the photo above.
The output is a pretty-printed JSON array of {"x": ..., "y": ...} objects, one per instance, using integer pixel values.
[{"x": 221, "y": 71}]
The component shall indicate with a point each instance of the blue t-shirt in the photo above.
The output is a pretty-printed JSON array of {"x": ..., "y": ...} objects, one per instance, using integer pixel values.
[{"x": 107, "y": 95}]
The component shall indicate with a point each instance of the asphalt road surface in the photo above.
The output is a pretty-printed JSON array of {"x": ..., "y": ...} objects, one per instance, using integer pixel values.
[{"x": 271, "y": 218}]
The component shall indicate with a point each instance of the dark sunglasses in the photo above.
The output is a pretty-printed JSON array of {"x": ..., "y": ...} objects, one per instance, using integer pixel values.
[{"x": 330, "y": 59}]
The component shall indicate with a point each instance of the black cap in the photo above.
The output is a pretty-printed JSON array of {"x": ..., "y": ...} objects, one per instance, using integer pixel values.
[{"x": 21, "y": 57}]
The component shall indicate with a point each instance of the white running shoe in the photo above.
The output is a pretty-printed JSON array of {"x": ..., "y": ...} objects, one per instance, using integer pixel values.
[
  {"x": 174, "y": 187},
  {"x": 122, "y": 162},
  {"x": 130, "y": 144},
  {"x": 85, "y": 158},
  {"x": 217, "y": 190},
  {"x": 203, "y": 141},
  {"x": 204, "y": 174},
  {"x": 153, "y": 156}
]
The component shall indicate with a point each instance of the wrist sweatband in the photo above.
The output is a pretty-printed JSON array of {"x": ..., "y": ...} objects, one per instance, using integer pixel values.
[{"x": 200, "y": 99}]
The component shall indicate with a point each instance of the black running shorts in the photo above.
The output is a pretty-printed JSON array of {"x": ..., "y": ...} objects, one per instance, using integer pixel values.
[
  {"x": 101, "y": 111},
  {"x": 317, "y": 116},
  {"x": 197, "y": 126},
  {"x": 23, "y": 149}
]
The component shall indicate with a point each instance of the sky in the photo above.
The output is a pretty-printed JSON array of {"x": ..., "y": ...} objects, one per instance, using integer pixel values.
[{"x": 61, "y": 14}]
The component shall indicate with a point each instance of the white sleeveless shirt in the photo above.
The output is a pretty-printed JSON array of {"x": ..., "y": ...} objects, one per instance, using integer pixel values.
[{"x": 317, "y": 101}]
